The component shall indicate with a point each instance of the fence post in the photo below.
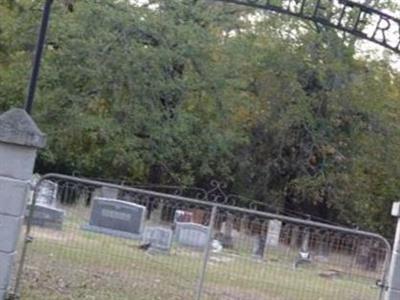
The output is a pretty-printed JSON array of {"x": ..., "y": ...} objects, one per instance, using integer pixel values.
[
  {"x": 206, "y": 255},
  {"x": 19, "y": 140},
  {"x": 393, "y": 288}
]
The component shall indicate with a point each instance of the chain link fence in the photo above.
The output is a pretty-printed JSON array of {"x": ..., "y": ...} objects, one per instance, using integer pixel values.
[{"x": 87, "y": 239}]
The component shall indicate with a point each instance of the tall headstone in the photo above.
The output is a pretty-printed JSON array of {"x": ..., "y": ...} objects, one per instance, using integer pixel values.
[
  {"x": 227, "y": 229},
  {"x": 259, "y": 246},
  {"x": 19, "y": 140},
  {"x": 261, "y": 238},
  {"x": 294, "y": 236},
  {"x": 117, "y": 218},
  {"x": 305, "y": 240},
  {"x": 322, "y": 246},
  {"x": 304, "y": 255},
  {"x": 244, "y": 225},
  {"x": 274, "y": 232}
]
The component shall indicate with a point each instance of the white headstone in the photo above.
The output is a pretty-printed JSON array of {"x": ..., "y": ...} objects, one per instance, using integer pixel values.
[
  {"x": 47, "y": 193},
  {"x": 274, "y": 232},
  {"x": 191, "y": 235},
  {"x": 46, "y": 213}
]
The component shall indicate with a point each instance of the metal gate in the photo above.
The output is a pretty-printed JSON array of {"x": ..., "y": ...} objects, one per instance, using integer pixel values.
[{"x": 81, "y": 243}]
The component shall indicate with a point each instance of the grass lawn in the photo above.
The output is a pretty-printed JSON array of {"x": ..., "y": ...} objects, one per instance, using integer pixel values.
[{"x": 76, "y": 264}]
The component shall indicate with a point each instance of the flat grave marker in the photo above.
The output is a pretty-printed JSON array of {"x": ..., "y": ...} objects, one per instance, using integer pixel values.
[{"x": 158, "y": 238}]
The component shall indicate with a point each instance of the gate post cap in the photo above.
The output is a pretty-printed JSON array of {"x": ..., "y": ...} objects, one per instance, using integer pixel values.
[
  {"x": 396, "y": 209},
  {"x": 17, "y": 127}
]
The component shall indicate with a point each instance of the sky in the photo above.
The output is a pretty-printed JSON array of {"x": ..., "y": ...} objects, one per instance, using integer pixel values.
[{"x": 379, "y": 50}]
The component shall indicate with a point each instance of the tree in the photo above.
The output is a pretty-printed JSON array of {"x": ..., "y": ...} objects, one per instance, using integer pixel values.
[{"x": 184, "y": 91}]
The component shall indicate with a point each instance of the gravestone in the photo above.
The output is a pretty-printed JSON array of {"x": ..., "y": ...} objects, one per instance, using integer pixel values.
[
  {"x": 116, "y": 218},
  {"x": 305, "y": 240},
  {"x": 373, "y": 257},
  {"x": 285, "y": 234},
  {"x": 322, "y": 254},
  {"x": 259, "y": 246},
  {"x": 227, "y": 229},
  {"x": 244, "y": 225},
  {"x": 183, "y": 216},
  {"x": 367, "y": 255},
  {"x": 47, "y": 193},
  {"x": 294, "y": 236},
  {"x": 191, "y": 235},
  {"x": 158, "y": 238},
  {"x": 199, "y": 215},
  {"x": 105, "y": 192},
  {"x": 108, "y": 192},
  {"x": 304, "y": 255},
  {"x": 49, "y": 217},
  {"x": 156, "y": 213},
  {"x": 46, "y": 214},
  {"x": 274, "y": 232}
]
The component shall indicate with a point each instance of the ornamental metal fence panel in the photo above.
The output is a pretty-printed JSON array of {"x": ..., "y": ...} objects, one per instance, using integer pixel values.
[{"x": 88, "y": 239}]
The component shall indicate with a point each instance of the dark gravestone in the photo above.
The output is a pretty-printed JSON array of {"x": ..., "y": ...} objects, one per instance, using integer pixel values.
[
  {"x": 362, "y": 255},
  {"x": 117, "y": 218},
  {"x": 191, "y": 235},
  {"x": 294, "y": 236},
  {"x": 45, "y": 213},
  {"x": 368, "y": 255},
  {"x": 259, "y": 246},
  {"x": 244, "y": 225},
  {"x": 227, "y": 228},
  {"x": 261, "y": 239},
  {"x": 159, "y": 239},
  {"x": 373, "y": 257},
  {"x": 322, "y": 246}
]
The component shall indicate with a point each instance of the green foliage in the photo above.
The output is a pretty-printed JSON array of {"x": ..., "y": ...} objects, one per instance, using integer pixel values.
[{"x": 185, "y": 91}]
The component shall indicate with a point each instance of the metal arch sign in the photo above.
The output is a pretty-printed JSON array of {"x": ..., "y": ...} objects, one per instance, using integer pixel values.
[{"x": 359, "y": 20}]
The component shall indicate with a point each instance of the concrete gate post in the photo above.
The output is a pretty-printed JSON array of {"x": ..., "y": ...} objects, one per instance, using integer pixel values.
[
  {"x": 393, "y": 288},
  {"x": 19, "y": 140}
]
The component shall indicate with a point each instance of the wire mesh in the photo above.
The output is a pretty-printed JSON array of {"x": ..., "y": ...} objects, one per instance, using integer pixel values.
[
  {"x": 269, "y": 259},
  {"x": 175, "y": 248}
]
